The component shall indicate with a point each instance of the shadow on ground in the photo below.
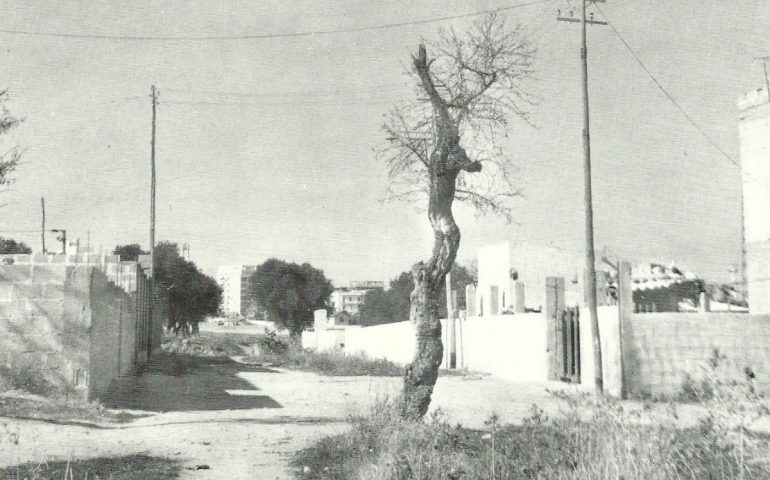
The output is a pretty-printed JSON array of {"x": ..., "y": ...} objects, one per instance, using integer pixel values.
[
  {"x": 116, "y": 468},
  {"x": 176, "y": 382}
]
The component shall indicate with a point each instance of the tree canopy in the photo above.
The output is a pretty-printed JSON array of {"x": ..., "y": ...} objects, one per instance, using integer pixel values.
[
  {"x": 468, "y": 85},
  {"x": 392, "y": 305},
  {"x": 289, "y": 293},
  {"x": 187, "y": 293},
  {"x": 11, "y": 246},
  {"x": 9, "y": 160},
  {"x": 130, "y": 252}
]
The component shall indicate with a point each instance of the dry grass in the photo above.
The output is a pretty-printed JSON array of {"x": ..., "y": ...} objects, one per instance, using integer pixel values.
[
  {"x": 57, "y": 409},
  {"x": 590, "y": 439},
  {"x": 116, "y": 468}
]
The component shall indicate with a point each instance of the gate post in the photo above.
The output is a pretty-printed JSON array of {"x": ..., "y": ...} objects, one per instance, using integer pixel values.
[
  {"x": 554, "y": 306},
  {"x": 626, "y": 308}
]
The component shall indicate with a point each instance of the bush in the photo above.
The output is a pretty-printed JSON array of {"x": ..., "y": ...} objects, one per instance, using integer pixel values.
[{"x": 591, "y": 438}]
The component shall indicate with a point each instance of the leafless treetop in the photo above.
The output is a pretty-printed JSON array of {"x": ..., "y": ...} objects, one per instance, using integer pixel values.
[{"x": 471, "y": 83}]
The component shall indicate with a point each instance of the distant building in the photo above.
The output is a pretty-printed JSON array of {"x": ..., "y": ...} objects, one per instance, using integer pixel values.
[
  {"x": 512, "y": 278},
  {"x": 754, "y": 136},
  {"x": 504, "y": 267},
  {"x": 349, "y": 299},
  {"x": 235, "y": 281}
]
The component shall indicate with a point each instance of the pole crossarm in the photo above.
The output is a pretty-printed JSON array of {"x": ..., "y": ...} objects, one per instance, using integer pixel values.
[{"x": 577, "y": 20}]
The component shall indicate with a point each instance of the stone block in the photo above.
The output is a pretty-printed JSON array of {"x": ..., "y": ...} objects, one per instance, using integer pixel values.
[
  {"x": 14, "y": 309},
  {"x": 50, "y": 273},
  {"x": 27, "y": 290},
  {"x": 6, "y": 291},
  {"x": 15, "y": 273}
]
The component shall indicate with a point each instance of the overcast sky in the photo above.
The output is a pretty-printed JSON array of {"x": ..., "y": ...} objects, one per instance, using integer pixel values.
[{"x": 264, "y": 146}]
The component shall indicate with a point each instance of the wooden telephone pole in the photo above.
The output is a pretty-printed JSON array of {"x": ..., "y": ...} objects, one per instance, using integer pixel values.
[
  {"x": 42, "y": 232},
  {"x": 152, "y": 183},
  {"x": 150, "y": 307},
  {"x": 590, "y": 277}
]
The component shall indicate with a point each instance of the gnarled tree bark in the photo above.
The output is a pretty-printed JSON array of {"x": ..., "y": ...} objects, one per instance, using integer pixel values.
[{"x": 447, "y": 160}]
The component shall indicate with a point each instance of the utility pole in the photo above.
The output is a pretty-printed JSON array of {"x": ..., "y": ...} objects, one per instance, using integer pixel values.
[
  {"x": 590, "y": 277},
  {"x": 152, "y": 183},
  {"x": 150, "y": 306},
  {"x": 42, "y": 231}
]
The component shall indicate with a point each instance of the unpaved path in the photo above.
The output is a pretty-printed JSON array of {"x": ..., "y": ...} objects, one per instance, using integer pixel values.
[{"x": 245, "y": 422}]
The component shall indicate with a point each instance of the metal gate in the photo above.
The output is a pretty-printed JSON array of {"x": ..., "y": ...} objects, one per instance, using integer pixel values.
[{"x": 570, "y": 339}]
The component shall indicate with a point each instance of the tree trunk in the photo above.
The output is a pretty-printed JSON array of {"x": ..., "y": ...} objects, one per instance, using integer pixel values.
[{"x": 420, "y": 376}]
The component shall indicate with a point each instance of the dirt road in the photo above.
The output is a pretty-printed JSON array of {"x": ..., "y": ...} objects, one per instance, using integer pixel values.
[{"x": 245, "y": 422}]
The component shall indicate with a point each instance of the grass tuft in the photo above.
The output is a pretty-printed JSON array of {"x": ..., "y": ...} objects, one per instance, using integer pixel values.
[
  {"x": 589, "y": 439},
  {"x": 129, "y": 467}
]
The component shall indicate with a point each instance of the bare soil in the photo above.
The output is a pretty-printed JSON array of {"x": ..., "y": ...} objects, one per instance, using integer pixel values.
[{"x": 242, "y": 421}]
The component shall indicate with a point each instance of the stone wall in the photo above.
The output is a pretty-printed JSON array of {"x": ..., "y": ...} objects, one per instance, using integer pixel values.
[
  {"x": 71, "y": 328},
  {"x": 44, "y": 327},
  {"x": 661, "y": 349}
]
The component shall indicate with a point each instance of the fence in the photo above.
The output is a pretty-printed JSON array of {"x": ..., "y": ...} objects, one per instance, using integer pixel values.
[{"x": 642, "y": 353}]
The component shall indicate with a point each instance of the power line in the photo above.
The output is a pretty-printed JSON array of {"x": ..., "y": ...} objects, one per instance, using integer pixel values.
[
  {"x": 263, "y": 36},
  {"x": 668, "y": 95},
  {"x": 293, "y": 94}
]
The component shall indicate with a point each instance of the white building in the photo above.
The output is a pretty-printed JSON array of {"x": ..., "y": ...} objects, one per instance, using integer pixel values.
[
  {"x": 349, "y": 299},
  {"x": 235, "y": 281},
  {"x": 512, "y": 276},
  {"x": 754, "y": 136}
]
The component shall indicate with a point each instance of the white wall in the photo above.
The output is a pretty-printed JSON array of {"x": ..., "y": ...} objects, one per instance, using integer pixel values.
[
  {"x": 393, "y": 341},
  {"x": 609, "y": 334},
  {"x": 512, "y": 347},
  {"x": 322, "y": 340}
]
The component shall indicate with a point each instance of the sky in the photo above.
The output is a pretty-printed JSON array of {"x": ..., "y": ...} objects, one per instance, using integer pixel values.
[{"x": 265, "y": 146}]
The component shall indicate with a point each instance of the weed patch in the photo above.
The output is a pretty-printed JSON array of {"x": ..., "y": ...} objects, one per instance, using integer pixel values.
[
  {"x": 116, "y": 468},
  {"x": 591, "y": 438}
]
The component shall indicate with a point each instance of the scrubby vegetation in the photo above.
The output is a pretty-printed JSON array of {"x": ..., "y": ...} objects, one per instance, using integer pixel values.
[
  {"x": 116, "y": 468},
  {"x": 272, "y": 350},
  {"x": 591, "y": 438}
]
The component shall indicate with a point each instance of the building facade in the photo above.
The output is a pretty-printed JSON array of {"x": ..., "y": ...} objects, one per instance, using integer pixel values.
[
  {"x": 512, "y": 277},
  {"x": 236, "y": 282},
  {"x": 349, "y": 299},
  {"x": 754, "y": 136}
]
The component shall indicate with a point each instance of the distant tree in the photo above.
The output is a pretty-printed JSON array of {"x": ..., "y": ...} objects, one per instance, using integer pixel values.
[
  {"x": 290, "y": 293},
  {"x": 445, "y": 144},
  {"x": 376, "y": 308},
  {"x": 188, "y": 294},
  {"x": 392, "y": 305},
  {"x": 129, "y": 253},
  {"x": 11, "y": 246},
  {"x": 10, "y": 159}
]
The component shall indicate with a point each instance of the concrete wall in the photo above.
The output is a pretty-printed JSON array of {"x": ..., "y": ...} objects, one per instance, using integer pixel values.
[
  {"x": 44, "y": 326},
  {"x": 394, "y": 341},
  {"x": 508, "y": 346},
  {"x": 511, "y": 347},
  {"x": 661, "y": 348},
  {"x": 609, "y": 334},
  {"x": 754, "y": 135},
  {"x": 75, "y": 326}
]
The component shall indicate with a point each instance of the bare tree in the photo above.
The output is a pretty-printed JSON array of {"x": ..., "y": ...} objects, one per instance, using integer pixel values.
[{"x": 445, "y": 144}]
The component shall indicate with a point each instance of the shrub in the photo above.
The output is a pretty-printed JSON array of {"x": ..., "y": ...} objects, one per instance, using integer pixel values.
[{"x": 591, "y": 438}]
